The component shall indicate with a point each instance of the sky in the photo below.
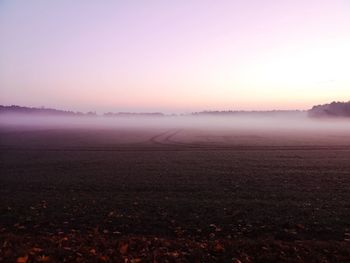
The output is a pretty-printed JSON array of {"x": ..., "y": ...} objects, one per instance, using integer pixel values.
[{"x": 174, "y": 56}]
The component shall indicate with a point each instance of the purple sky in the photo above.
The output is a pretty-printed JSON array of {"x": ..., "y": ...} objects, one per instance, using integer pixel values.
[{"x": 174, "y": 56}]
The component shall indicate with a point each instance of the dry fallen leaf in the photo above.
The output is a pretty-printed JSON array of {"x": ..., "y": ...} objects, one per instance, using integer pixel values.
[
  {"x": 104, "y": 258},
  {"x": 37, "y": 249},
  {"x": 43, "y": 258},
  {"x": 219, "y": 248},
  {"x": 22, "y": 259},
  {"x": 123, "y": 249}
]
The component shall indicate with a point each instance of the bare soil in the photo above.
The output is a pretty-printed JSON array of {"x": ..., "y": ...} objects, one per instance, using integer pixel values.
[{"x": 173, "y": 195}]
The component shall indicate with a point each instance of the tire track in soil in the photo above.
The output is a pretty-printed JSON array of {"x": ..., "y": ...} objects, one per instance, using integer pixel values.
[
  {"x": 175, "y": 147},
  {"x": 172, "y": 142},
  {"x": 165, "y": 139},
  {"x": 168, "y": 141},
  {"x": 157, "y": 139}
]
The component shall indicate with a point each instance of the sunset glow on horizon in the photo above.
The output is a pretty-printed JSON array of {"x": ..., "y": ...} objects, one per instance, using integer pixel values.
[{"x": 174, "y": 56}]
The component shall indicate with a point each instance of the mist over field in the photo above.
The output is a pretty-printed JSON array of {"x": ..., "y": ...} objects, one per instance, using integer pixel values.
[
  {"x": 254, "y": 122},
  {"x": 204, "y": 130}
]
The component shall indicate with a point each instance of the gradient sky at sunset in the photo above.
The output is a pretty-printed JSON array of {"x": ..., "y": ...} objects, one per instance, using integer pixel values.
[{"x": 174, "y": 56}]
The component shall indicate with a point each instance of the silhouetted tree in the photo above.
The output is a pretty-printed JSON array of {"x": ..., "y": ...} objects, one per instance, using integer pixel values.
[{"x": 334, "y": 109}]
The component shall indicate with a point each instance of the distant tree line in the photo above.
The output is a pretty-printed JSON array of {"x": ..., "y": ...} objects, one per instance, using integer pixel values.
[
  {"x": 128, "y": 114},
  {"x": 334, "y": 109},
  {"x": 41, "y": 111},
  {"x": 48, "y": 111},
  {"x": 241, "y": 112}
]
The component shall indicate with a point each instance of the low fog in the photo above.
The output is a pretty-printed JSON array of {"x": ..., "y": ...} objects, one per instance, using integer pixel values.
[{"x": 239, "y": 122}]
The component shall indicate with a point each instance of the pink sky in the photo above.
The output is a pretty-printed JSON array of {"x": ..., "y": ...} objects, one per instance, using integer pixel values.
[{"x": 174, "y": 56}]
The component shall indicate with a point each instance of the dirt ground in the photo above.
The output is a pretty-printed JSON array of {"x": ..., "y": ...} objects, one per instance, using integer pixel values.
[{"x": 173, "y": 195}]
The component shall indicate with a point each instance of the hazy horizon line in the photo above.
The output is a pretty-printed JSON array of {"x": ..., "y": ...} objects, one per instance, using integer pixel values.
[{"x": 151, "y": 112}]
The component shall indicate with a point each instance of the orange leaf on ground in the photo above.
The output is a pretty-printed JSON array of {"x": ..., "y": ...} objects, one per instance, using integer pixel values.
[
  {"x": 219, "y": 248},
  {"x": 37, "y": 249},
  {"x": 123, "y": 249},
  {"x": 104, "y": 258},
  {"x": 43, "y": 258},
  {"x": 22, "y": 259}
]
